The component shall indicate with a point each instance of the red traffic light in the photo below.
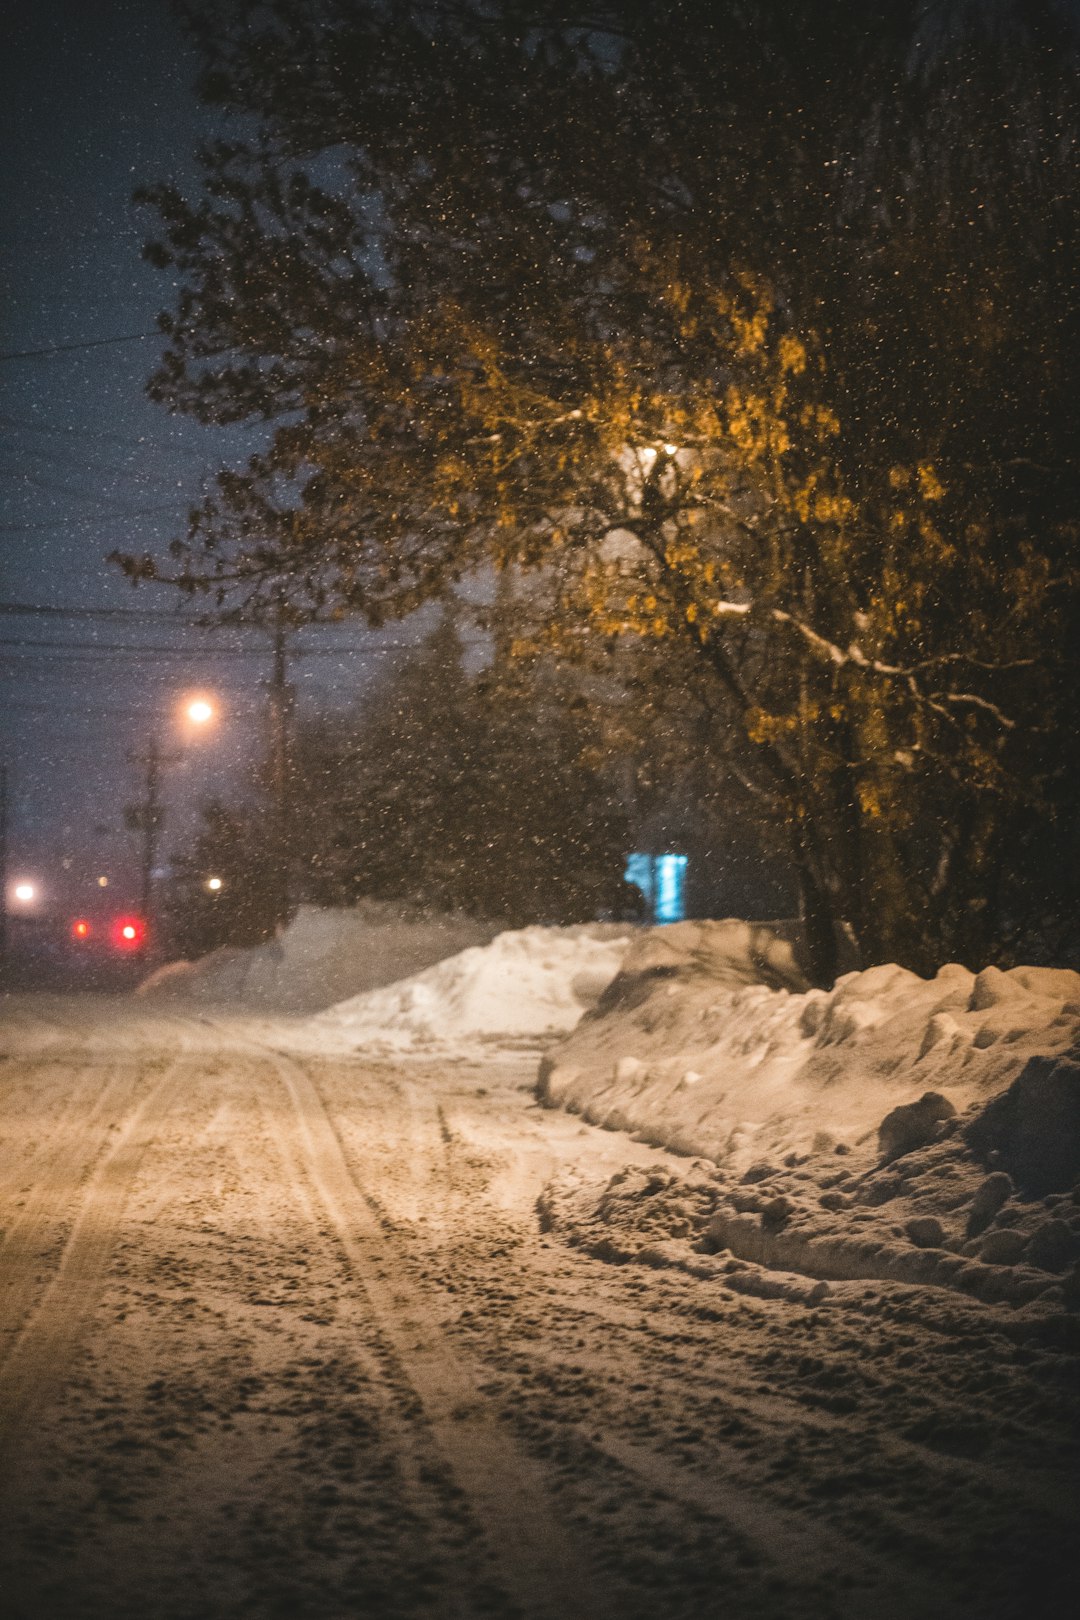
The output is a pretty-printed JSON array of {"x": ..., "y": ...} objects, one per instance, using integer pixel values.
[
  {"x": 80, "y": 929},
  {"x": 128, "y": 933}
]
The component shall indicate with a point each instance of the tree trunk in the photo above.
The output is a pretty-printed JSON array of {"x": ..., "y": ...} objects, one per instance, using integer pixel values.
[{"x": 817, "y": 916}]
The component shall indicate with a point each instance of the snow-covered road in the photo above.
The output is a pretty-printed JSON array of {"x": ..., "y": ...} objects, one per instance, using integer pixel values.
[{"x": 283, "y": 1335}]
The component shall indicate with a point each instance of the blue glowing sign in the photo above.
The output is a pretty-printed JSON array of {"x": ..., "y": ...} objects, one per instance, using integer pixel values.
[{"x": 662, "y": 880}]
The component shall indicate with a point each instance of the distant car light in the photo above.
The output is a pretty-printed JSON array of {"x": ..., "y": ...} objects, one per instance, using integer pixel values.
[
  {"x": 80, "y": 929},
  {"x": 128, "y": 933}
]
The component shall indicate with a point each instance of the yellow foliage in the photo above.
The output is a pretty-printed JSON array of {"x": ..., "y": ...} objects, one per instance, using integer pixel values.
[
  {"x": 747, "y": 421},
  {"x": 792, "y": 355},
  {"x": 763, "y": 727},
  {"x": 802, "y": 496},
  {"x": 869, "y": 800},
  {"x": 750, "y": 331},
  {"x": 930, "y": 486},
  {"x": 832, "y": 508},
  {"x": 821, "y": 419},
  {"x": 758, "y": 289}
]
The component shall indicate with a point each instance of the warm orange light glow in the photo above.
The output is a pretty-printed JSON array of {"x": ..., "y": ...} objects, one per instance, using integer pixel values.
[
  {"x": 199, "y": 711},
  {"x": 80, "y": 928}
]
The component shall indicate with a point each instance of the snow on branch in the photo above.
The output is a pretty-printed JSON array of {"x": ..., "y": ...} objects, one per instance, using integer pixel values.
[{"x": 853, "y": 654}]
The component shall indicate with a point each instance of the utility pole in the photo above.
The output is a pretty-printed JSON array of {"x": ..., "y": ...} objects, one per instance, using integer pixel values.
[
  {"x": 3, "y": 860},
  {"x": 147, "y": 817},
  {"x": 282, "y": 698},
  {"x": 151, "y": 822}
]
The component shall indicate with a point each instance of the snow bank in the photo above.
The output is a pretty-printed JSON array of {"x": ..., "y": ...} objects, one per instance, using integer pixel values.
[
  {"x": 709, "y": 1042},
  {"x": 894, "y": 1130},
  {"x": 522, "y": 987},
  {"x": 322, "y": 957}
]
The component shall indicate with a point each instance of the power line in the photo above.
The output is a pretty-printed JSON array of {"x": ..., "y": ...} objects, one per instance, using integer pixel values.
[
  {"x": 59, "y": 611},
  {"x": 37, "y": 679},
  {"x": 95, "y": 711},
  {"x": 112, "y": 647},
  {"x": 158, "y": 616},
  {"x": 110, "y": 501},
  {"x": 18, "y": 424},
  {"x": 138, "y": 647},
  {"x": 69, "y": 463},
  {"x": 71, "y": 348},
  {"x": 62, "y": 611},
  {"x": 100, "y": 522},
  {"x": 73, "y": 711}
]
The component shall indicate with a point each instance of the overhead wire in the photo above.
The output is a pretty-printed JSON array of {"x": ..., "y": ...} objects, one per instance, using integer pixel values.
[
  {"x": 72, "y": 348},
  {"x": 32, "y": 648},
  {"x": 19, "y": 424},
  {"x": 63, "y": 611},
  {"x": 94, "y": 520},
  {"x": 75, "y": 463},
  {"x": 96, "y": 711},
  {"x": 157, "y": 616}
]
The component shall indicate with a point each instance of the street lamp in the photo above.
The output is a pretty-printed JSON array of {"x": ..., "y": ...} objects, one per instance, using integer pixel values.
[
  {"x": 214, "y": 884},
  {"x": 198, "y": 710},
  {"x": 21, "y": 900}
]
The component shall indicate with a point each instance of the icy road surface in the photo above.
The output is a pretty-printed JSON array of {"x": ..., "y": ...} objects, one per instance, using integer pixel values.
[{"x": 282, "y": 1336}]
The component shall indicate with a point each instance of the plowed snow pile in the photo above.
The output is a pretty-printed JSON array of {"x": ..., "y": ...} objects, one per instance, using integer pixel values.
[
  {"x": 525, "y": 985},
  {"x": 323, "y": 956},
  {"x": 897, "y": 1128}
]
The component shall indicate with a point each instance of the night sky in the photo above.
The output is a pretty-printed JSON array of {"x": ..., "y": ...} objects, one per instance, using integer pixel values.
[{"x": 95, "y": 99}]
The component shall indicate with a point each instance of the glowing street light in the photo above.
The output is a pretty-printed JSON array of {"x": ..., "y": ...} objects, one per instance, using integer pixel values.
[
  {"x": 197, "y": 709},
  {"x": 214, "y": 884},
  {"x": 25, "y": 893}
]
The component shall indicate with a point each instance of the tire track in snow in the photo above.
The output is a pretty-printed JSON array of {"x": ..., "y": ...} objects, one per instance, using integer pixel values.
[
  {"x": 732, "y": 1500},
  {"x": 784, "y": 1539},
  {"x": 50, "y": 1331},
  {"x": 540, "y": 1566},
  {"x": 370, "y": 1352},
  {"x": 77, "y": 1137},
  {"x": 729, "y": 1494}
]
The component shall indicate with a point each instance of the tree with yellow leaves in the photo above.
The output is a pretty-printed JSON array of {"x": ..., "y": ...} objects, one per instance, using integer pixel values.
[{"x": 665, "y": 342}]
